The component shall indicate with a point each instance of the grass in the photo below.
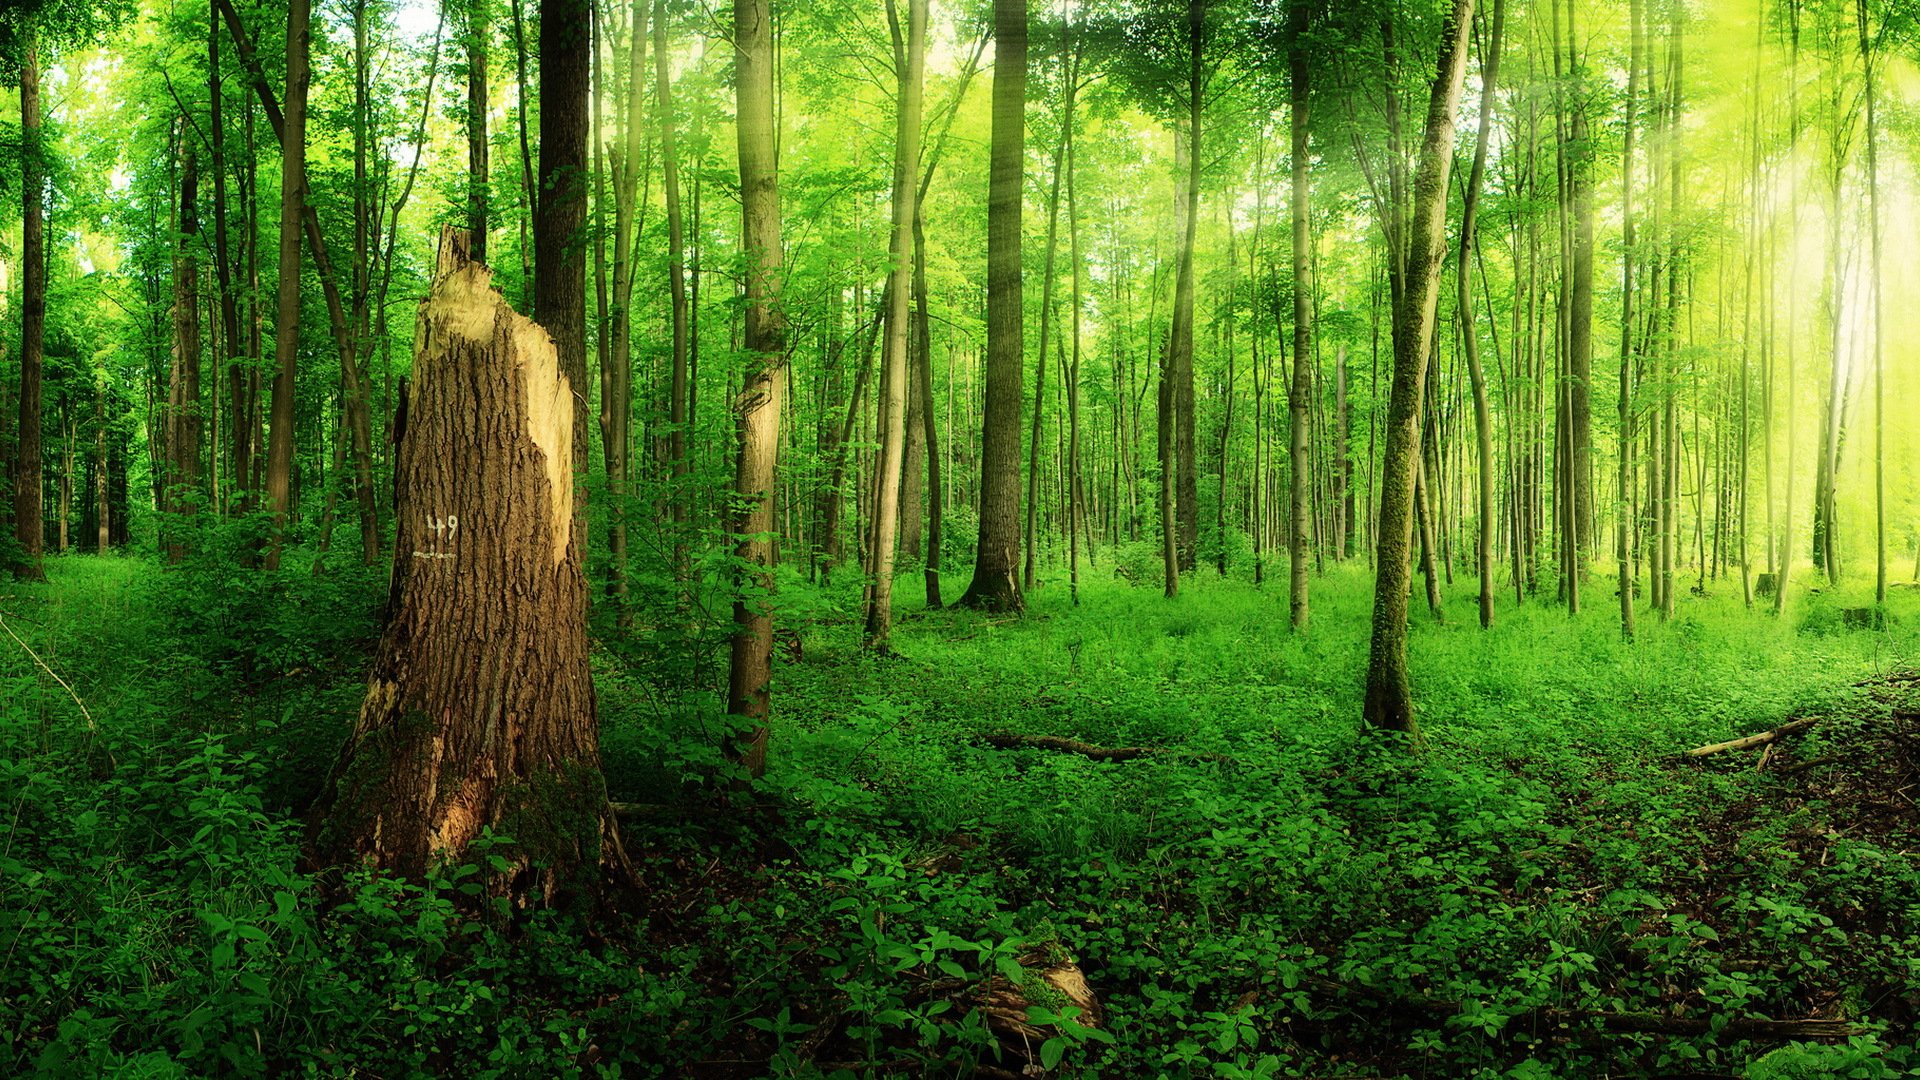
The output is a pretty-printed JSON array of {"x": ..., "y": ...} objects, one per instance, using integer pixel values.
[{"x": 1276, "y": 894}]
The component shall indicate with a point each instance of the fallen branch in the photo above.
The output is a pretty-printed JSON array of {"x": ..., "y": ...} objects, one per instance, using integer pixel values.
[
  {"x": 1738, "y": 1027},
  {"x": 1009, "y": 741},
  {"x": 1755, "y": 740}
]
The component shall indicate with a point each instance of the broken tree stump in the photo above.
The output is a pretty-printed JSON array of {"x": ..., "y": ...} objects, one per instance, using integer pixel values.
[{"x": 479, "y": 712}]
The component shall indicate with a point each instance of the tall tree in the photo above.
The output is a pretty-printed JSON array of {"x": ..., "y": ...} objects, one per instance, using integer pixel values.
[
  {"x": 1389, "y": 693},
  {"x": 1879, "y": 345},
  {"x": 1300, "y": 389},
  {"x": 183, "y": 384},
  {"x": 479, "y": 31},
  {"x": 560, "y": 212},
  {"x": 996, "y": 565},
  {"x": 286, "y": 325},
  {"x": 28, "y": 530},
  {"x": 759, "y": 404},
  {"x": 1469, "y": 330},
  {"x": 909, "y": 59},
  {"x": 677, "y": 412}
]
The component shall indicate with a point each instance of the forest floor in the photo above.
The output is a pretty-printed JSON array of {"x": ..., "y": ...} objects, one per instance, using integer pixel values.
[{"x": 1548, "y": 888}]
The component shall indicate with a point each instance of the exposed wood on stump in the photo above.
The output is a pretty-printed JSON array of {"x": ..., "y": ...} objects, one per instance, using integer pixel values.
[{"x": 480, "y": 706}]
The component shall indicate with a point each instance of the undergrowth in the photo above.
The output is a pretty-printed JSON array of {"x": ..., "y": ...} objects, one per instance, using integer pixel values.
[{"x": 1272, "y": 893}]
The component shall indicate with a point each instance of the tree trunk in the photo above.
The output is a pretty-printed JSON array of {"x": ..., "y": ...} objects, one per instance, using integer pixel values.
[
  {"x": 183, "y": 387},
  {"x": 996, "y": 585},
  {"x": 1623, "y": 528},
  {"x": 1482, "y": 419},
  {"x": 478, "y": 32},
  {"x": 286, "y": 327},
  {"x": 559, "y": 253},
  {"x": 677, "y": 415},
  {"x": 28, "y": 531},
  {"x": 480, "y": 707},
  {"x": 1300, "y": 388},
  {"x": 909, "y": 55},
  {"x": 759, "y": 405},
  {"x": 1389, "y": 694},
  {"x": 1187, "y": 509},
  {"x": 1879, "y": 347}
]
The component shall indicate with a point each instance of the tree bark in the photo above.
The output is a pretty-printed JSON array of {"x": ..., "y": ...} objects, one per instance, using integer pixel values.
[
  {"x": 909, "y": 56},
  {"x": 183, "y": 385},
  {"x": 1469, "y": 216},
  {"x": 1300, "y": 388},
  {"x": 677, "y": 415},
  {"x": 996, "y": 585},
  {"x": 478, "y": 33},
  {"x": 759, "y": 404},
  {"x": 286, "y": 327},
  {"x": 28, "y": 531},
  {"x": 480, "y": 707},
  {"x": 560, "y": 214},
  {"x": 1389, "y": 694}
]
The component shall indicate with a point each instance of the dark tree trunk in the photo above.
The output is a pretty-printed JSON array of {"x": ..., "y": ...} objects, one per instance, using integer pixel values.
[
  {"x": 286, "y": 341},
  {"x": 27, "y": 530},
  {"x": 996, "y": 564},
  {"x": 480, "y": 707},
  {"x": 183, "y": 384},
  {"x": 478, "y": 31},
  {"x": 560, "y": 214}
]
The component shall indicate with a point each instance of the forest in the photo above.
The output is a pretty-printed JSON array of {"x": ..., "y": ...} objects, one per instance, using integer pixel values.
[{"x": 1348, "y": 539}]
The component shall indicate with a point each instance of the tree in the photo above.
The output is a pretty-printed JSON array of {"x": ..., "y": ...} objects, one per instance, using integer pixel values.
[
  {"x": 476, "y": 40},
  {"x": 286, "y": 325},
  {"x": 560, "y": 213},
  {"x": 28, "y": 529},
  {"x": 995, "y": 585},
  {"x": 1469, "y": 331},
  {"x": 183, "y": 384},
  {"x": 759, "y": 403},
  {"x": 1300, "y": 389},
  {"x": 480, "y": 706},
  {"x": 1389, "y": 694},
  {"x": 909, "y": 58}
]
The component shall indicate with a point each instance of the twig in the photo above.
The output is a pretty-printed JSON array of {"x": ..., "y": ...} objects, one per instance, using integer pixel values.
[{"x": 91, "y": 726}]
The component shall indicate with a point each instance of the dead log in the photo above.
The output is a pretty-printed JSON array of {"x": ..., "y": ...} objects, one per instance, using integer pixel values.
[{"x": 1761, "y": 739}]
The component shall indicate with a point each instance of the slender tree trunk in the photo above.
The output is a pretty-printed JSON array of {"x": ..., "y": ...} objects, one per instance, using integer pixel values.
[
  {"x": 995, "y": 585},
  {"x": 1482, "y": 418},
  {"x": 1389, "y": 694},
  {"x": 909, "y": 55},
  {"x": 1879, "y": 346},
  {"x": 1300, "y": 388},
  {"x": 478, "y": 32},
  {"x": 1623, "y": 526},
  {"x": 1187, "y": 509},
  {"x": 28, "y": 530},
  {"x": 286, "y": 327},
  {"x": 1032, "y": 538},
  {"x": 678, "y": 413},
  {"x": 560, "y": 214},
  {"x": 759, "y": 405},
  {"x": 183, "y": 390}
]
